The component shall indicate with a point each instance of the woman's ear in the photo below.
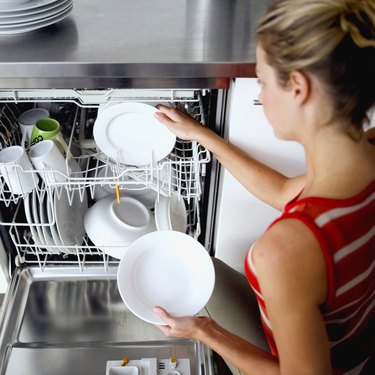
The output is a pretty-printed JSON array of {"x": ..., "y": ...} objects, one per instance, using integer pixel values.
[{"x": 300, "y": 86}]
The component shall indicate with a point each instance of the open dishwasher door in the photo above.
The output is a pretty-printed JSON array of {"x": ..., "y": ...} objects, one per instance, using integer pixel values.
[{"x": 63, "y": 312}]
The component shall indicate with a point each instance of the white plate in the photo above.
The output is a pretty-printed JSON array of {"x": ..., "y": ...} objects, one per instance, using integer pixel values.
[
  {"x": 129, "y": 134},
  {"x": 69, "y": 218},
  {"x": 6, "y": 13},
  {"x": 170, "y": 213},
  {"x": 35, "y": 25},
  {"x": 30, "y": 219},
  {"x": 39, "y": 16},
  {"x": 35, "y": 213},
  {"x": 168, "y": 269},
  {"x": 109, "y": 227},
  {"x": 28, "y": 5},
  {"x": 54, "y": 233},
  {"x": 46, "y": 229}
]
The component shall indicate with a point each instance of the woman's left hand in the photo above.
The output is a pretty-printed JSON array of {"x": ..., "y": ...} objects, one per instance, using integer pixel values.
[{"x": 182, "y": 327}]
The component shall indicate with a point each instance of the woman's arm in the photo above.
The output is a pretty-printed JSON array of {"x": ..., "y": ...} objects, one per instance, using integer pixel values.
[
  {"x": 265, "y": 183},
  {"x": 242, "y": 354},
  {"x": 291, "y": 273}
]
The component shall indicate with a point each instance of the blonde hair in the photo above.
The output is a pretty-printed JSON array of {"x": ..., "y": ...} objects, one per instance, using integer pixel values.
[{"x": 334, "y": 39}]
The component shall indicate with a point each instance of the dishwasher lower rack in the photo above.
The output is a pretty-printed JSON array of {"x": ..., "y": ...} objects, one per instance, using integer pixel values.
[{"x": 89, "y": 173}]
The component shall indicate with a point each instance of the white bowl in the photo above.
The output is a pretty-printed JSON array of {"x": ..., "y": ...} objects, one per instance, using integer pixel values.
[
  {"x": 168, "y": 269},
  {"x": 113, "y": 226}
]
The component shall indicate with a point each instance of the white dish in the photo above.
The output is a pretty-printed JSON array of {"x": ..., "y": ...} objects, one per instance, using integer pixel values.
[
  {"x": 36, "y": 20},
  {"x": 20, "y": 12},
  {"x": 29, "y": 217},
  {"x": 69, "y": 218},
  {"x": 112, "y": 227},
  {"x": 35, "y": 25},
  {"x": 129, "y": 134},
  {"x": 11, "y": 3},
  {"x": 36, "y": 218},
  {"x": 54, "y": 233},
  {"x": 170, "y": 213},
  {"x": 168, "y": 269},
  {"x": 38, "y": 16},
  {"x": 28, "y": 5},
  {"x": 46, "y": 229}
]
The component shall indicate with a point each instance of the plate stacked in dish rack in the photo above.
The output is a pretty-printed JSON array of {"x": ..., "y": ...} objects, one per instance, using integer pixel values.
[{"x": 21, "y": 16}]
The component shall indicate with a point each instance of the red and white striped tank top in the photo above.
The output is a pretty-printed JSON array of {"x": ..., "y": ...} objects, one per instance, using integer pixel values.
[{"x": 345, "y": 229}]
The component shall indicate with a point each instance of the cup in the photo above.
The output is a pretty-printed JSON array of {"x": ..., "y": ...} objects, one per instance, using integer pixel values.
[
  {"x": 16, "y": 169},
  {"x": 49, "y": 129},
  {"x": 27, "y": 120},
  {"x": 48, "y": 161}
]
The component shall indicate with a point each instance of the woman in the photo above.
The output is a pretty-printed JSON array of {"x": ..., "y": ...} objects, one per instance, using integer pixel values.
[{"x": 313, "y": 269}]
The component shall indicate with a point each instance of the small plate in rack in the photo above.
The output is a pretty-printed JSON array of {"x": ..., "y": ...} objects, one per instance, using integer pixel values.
[{"x": 45, "y": 225}]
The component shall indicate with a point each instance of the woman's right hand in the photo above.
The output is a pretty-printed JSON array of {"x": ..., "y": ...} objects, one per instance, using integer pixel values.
[{"x": 180, "y": 123}]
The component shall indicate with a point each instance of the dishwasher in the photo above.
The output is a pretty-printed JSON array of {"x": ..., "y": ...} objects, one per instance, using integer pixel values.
[{"x": 63, "y": 312}]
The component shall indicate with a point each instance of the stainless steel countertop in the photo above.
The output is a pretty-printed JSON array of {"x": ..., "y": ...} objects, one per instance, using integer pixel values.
[{"x": 144, "y": 43}]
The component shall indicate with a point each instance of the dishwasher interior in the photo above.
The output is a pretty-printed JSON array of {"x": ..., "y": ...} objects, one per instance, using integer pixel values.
[{"x": 63, "y": 311}]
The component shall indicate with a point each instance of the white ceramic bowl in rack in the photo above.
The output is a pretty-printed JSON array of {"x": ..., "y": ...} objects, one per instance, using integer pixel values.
[{"x": 113, "y": 226}]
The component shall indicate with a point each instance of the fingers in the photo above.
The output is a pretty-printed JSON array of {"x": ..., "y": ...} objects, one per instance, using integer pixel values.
[{"x": 167, "y": 318}]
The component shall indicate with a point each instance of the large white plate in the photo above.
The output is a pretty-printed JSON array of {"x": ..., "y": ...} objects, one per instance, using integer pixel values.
[
  {"x": 36, "y": 218},
  {"x": 35, "y": 25},
  {"x": 25, "y": 6},
  {"x": 170, "y": 213},
  {"x": 54, "y": 233},
  {"x": 69, "y": 218},
  {"x": 129, "y": 134},
  {"x": 30, "y": 219},
  {"x": 45, "y": 225},
  {"x": 168, "y": 269}
]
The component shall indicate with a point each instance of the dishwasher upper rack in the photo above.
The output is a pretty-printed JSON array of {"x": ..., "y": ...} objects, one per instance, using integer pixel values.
[{"x": 179, "y": 173}]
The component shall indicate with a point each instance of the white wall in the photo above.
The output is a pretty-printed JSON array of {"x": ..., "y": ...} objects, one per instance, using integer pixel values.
[{"x": 242, "y": 218}]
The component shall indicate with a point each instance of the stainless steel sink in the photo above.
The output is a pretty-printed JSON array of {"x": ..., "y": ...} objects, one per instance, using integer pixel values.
[{"x": 63, "y": 320}]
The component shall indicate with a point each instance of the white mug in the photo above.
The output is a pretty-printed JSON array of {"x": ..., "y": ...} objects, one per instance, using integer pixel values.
[
  {"x": 27, "y": 120},
  {"x": 49, "y": 161},
  {"x": 16, "y": 169}
]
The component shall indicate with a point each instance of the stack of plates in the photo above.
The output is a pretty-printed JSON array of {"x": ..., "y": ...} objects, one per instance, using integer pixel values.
[{"x": 21, "y": 16}]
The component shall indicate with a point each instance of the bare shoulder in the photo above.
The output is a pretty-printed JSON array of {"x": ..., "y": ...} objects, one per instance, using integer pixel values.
[{"x": 288, "y": 260}]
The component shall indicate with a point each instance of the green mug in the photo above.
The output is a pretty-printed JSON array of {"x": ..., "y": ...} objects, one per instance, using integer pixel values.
[{"x": 49, "y": 128}]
